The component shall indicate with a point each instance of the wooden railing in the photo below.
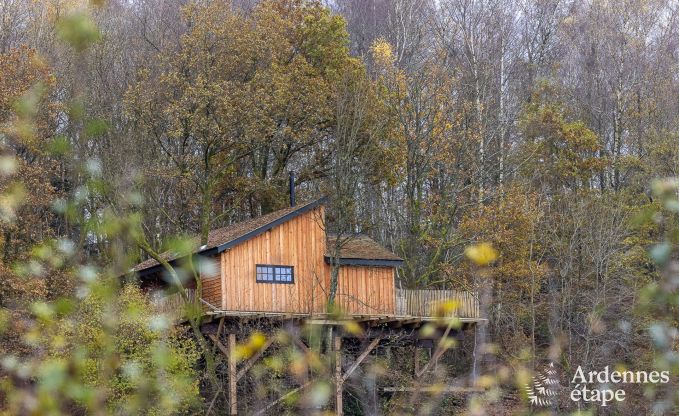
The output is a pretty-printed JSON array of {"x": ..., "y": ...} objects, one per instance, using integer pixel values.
[
  {"x": 409, "y": 302},
  {"x": 429, "y": 302},
  {"x": 172, "y": 305}
]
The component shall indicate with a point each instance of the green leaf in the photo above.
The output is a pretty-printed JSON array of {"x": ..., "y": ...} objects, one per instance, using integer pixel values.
[
  {"x": 78, "y": 30},
  {"x": 661, "y": 252}
]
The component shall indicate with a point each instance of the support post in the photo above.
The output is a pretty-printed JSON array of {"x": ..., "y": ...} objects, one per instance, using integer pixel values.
[
  {"x": 339, "y": 382},
  {"x": 233, "y": 391},
  {"x": 416, "y": 359}
]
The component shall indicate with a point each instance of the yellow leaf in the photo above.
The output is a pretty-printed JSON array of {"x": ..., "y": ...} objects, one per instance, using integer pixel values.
[
  {"x": 353, "y": 328},
  {"x": 257, "y": 340},
  {"x": 446, "y": 308},
  {"x": 482, "y": 254}
]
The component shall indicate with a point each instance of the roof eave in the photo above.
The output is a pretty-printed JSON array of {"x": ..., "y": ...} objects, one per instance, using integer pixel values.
[{"x": 367, "y": 262}]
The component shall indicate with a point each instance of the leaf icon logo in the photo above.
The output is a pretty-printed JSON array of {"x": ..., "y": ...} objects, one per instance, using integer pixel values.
[{"x": 544, "y": 387}]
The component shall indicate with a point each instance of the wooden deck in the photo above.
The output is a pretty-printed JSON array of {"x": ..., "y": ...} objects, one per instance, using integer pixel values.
[{"x": 423, "y": 305}]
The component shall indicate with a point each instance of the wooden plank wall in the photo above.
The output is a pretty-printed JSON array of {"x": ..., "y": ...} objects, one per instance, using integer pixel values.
[
  {"x": 212, "y": 288},
  {"x": 300, "y": 243},
  {"x": 363, "y": 290},
  {"x": 424, "y": 302}
]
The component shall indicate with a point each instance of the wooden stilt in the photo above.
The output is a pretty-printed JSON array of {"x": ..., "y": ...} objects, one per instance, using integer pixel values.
[
  {"x": 436, "y": 361},
  {"x": 339, "y": 382},
  {"x": 216, "y": 336},
  {"x": 416, "y": 360},
  {"x": 233, "y": 390},
  {"x": 220, "y": 327}
]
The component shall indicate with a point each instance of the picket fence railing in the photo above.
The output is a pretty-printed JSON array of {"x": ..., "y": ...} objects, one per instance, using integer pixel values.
[
  {"x": 409, "y": 302},
  {"x": 431, "y": 302}
]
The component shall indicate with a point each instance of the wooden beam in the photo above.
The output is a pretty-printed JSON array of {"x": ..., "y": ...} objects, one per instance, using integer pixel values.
[
  {"x": 440, "y": 350},
  {"x": 307, "y": 352},
  {"x": 252, "y": 360},
  {"x": 219, "y": 345},
  {"x": 432, "y": 361},
  {"x": 367, "y": 319},
  {"x": 339, "y": 411},
  {"x": 435, "y": 389},
  {"x": 333, "y": 322},
  {"x": 302, "y": 346},
  {"x": 404, "y": 322},
  {"x": 361, "y": 357},
  {"x": 280, "y": 399},
  {"x": 233, "y": 386},
  {"x": 304, "y": 378},
  {"x": 382, "y": 321},
  {"x": 220, "y": 327},
  {"x": 416, "y": 359}
]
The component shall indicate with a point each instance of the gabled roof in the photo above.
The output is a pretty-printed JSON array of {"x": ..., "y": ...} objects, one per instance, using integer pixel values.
[
  {"x": 363, "y": 251},
  {"x": 224, "y": 238}
]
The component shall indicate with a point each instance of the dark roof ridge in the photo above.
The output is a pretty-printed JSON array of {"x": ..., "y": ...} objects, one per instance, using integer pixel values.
[{"x": 223, "y": 238}]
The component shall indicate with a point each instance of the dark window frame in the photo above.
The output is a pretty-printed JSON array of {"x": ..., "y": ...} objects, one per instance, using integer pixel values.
[{"x": 274, "y": 281}]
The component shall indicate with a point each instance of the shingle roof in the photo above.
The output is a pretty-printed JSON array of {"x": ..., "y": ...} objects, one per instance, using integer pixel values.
[
  {"x": 362, "y": 249},
  {"x": 223, "y": 238}
]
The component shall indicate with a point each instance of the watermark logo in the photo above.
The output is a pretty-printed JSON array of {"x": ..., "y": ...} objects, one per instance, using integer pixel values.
[
  {"x": 606, "y": 386},
  {"x": 544, "y": 387},
  {"x": 600, "y": 387}
]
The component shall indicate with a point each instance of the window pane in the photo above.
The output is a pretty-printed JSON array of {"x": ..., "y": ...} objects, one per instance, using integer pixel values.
[{"x": 274, "y": 273}]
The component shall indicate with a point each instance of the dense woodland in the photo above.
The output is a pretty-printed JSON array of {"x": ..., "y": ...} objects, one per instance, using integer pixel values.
[{"x": 538, "y": 126}]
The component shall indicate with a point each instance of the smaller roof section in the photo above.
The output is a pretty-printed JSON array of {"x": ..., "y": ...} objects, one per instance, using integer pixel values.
[{"x": 361, "y": 250}]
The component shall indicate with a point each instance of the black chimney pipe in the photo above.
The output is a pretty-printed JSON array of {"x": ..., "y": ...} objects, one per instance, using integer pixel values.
[{"x": 292, "y": 188}]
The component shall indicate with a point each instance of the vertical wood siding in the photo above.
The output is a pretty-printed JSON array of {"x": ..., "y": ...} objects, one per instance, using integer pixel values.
[
  {"x": 212, "y": 288},
  {"x": 365, "y": 290},
  {"x": 300, "y": 243}
]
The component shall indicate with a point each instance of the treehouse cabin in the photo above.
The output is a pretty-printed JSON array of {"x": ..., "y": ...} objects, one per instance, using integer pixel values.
[
  {"x": 281, "y": 263},
  {"x": 277, "y": 268}
]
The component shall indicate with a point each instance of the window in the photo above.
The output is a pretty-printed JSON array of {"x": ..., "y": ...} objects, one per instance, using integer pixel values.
[{"x": 268, "y": 273}]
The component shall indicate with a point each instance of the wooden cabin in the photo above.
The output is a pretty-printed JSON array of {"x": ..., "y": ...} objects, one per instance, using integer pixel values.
[
  {"x": 277, "y": 267},
  {"x": 280, "y": 263}
]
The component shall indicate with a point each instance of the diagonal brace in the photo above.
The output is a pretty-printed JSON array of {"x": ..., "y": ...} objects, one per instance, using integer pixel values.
[
  {"x": 219, "y": 345},
  {"x": 252, "y": 360},
  {"x": 361, "y": 357}
]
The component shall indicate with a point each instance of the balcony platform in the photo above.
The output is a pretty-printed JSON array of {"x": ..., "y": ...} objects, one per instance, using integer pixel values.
[
  {"x": 329, "y": 319},
  {"x": 413, "y": 309}
]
